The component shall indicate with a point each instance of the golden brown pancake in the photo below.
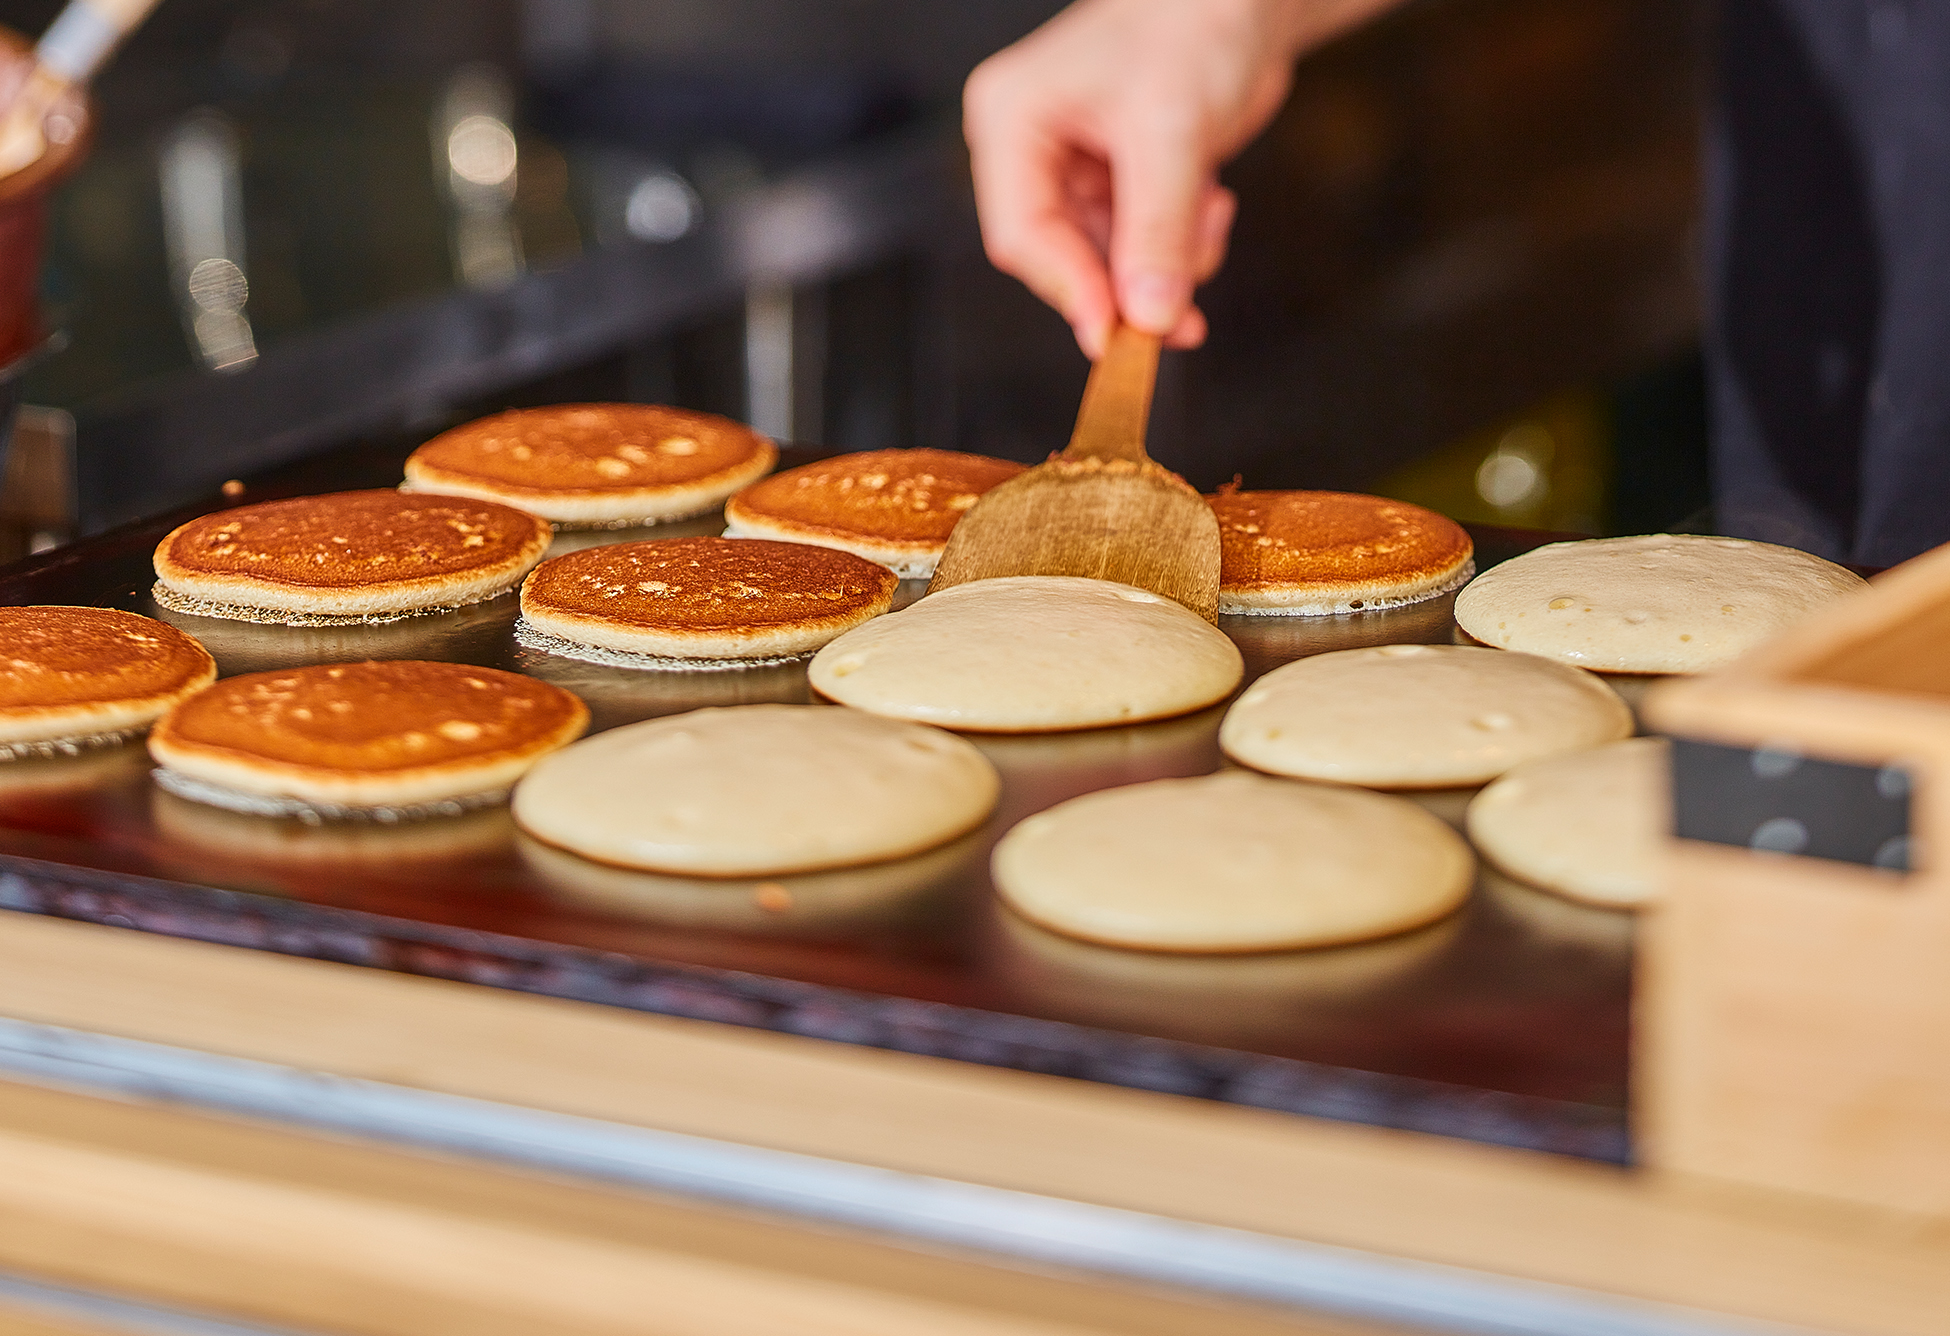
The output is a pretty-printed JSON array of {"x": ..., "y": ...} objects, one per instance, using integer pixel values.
[
  {"x": 895, "y": 507},
  {"x": 705, "y": 598},
  {"x": 595, "y": 464},
  {"x": 1314, "y": 554},
  {"x": 69, "y": 675},
  {"x": 362, "y": 735},
  {"x": 370, "y": 556}
]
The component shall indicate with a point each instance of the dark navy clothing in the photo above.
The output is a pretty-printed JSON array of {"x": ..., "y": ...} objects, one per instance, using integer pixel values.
[{"x": 1828, "y": 251}]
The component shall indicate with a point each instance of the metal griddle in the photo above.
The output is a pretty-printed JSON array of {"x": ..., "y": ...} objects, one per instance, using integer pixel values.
[{"x": 1506, "y": 1023}]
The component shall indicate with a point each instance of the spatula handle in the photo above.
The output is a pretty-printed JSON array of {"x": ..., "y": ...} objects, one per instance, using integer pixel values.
[
  {"x": 1117, "y": 399},
  {"x": 78, "y": 41}
]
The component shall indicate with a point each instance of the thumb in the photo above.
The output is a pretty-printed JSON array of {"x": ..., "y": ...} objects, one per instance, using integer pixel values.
[{"x": 1158, "y": 188}]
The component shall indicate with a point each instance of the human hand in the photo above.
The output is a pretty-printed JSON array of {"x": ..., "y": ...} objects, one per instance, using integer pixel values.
[{"x": 1096, "y": 143}]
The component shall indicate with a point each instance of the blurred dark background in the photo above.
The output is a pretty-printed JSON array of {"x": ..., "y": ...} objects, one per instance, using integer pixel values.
[{"x": 1464, "y": 271}]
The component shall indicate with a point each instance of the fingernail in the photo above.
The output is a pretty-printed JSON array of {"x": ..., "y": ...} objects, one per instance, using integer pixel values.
[{"x": 1154, "y": 302}]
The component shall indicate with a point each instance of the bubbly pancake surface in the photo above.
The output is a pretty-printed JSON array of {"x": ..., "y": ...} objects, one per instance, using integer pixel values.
[
  {"x": 706, "y": 597},
  {"x": 595, "y": 462},
  {"x": 1653, "y": 603},
  {"x": 896, "y": 507},
  {"x": 1418, "y": 716},
  {"x": 69, "y": 671},
  {"x": 1590, "y": 825},
  {"x": 352, "y": 553},
  {"x": 1031, "y": 654},
  {"x": 1232, "y": 862},
  {"x": 756, "y": 790},
  {"x": 394, "y": 731},
  {"x": 1320, "y": 553}
]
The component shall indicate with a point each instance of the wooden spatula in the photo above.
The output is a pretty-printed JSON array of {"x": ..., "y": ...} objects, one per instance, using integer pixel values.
[
  {"x": 75, "y": 45},
  {"x": 1102, "y": 508}
]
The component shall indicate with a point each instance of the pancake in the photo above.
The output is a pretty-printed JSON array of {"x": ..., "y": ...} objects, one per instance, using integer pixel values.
[
  {"x": 597, "y": 465},
  {"x": 396, "y": 850},
  {"x": 1031, "y": 654},
  {"x": 1232, "y": 1001},
  {"x": 1316, "y": 554},
  {"x": 1591, "y": 825},
  {"x": 1658, "y": 603},
  {"x": 895, "y": 507},
  {"x": 339, "y": 739},
  {"x": 71, "y": 677},
  {"x": 363, "y": 556},
  {"x": 703, "y": 598},
  {"x": 757, "y": 790},
  {"x": 834, "y": 904},
  {"x": 1418, "y": 716},
  {"x": 1232, "y": 862}
]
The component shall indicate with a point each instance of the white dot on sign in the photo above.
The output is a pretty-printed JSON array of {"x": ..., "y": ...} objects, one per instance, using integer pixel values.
[
  {"x": 661, "y": 207},
  {"x": 1774, "y": 762},
  {"x": 1893, "y": 853},
  {"x": 1779, "y": 835},
  {"x": 481, "y": 149},
  {"x": 1892, "y": 782}
]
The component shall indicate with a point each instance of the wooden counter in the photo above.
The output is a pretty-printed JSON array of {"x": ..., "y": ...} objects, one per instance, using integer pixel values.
[{"x": 1616, "y": 1239}]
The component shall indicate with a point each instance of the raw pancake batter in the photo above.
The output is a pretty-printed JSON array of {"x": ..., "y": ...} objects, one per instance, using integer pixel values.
[
  {"x": 1418, "y": 716},
  {"x": 1658, "y": 603},
  {"x": 758, "y": 790},
  {"x": 1232, "y": 862},
  {"x": 1031, "y": 654}
]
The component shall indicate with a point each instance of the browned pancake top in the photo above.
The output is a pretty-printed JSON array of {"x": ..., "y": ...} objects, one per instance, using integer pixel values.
[
  {"x": 368, "y": 718},
  {"x": 901, "y": 496},
  {"x": 351, "y": 540},
  {"x": 1276, "y": 540},
  {"x": 715, "y": 584},
  {"x": 57, "y": 656},
  {"x": 592, "y": 448}
]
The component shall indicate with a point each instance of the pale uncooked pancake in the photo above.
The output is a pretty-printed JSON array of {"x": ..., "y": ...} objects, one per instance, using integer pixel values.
[
  {"x": 70, "y": 674},
  {"x": 1316, "y": 554},
  {"x": 1031, "y": 654},
  {"x": 1590, "y": 825},
  {"x": 401, "y": 733},
  {"x": 896, "y": 507},
  {"x": 1418, "y": 716},
  {"x": 757, "y": 790},
  {"x": 595, "y": 464},
  {"x": 836, "y": 903},
  {"x": 1232, "y": 862},
  {"x": 705, "y": 598},
  {"x": 1658, "y": 603},
  {"x": 366, "y": 555}
]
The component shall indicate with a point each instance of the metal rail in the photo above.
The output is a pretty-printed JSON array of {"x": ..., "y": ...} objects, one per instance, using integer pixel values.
[{"x": 1006, "y": 1223}]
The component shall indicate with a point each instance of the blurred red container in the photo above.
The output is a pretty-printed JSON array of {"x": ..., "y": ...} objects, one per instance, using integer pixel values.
[{"x": 23, "y": 207}]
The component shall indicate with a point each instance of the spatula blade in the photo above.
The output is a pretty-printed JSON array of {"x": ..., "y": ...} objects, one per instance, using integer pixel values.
[{"x": 1136, "y": 523}]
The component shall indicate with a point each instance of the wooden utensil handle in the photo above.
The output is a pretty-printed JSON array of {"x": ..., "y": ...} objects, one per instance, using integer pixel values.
[
  {"x": 83, "y": 36},
  {"x": 1117, "y": 399}
]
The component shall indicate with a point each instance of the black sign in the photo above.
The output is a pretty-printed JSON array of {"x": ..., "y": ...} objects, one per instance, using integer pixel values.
[{"x": 1776, "y": 800}]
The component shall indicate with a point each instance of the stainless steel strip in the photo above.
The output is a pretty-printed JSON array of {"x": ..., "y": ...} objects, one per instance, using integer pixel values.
[
  {"x": 119, "y": 1314},
  {"x": 1049, "y": 1230}
]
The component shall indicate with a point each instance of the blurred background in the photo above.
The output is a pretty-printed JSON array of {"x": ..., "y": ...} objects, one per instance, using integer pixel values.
[{"x": 1464, "y": 271}]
